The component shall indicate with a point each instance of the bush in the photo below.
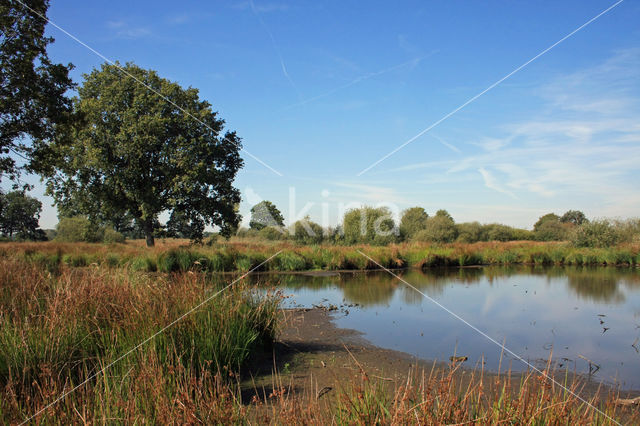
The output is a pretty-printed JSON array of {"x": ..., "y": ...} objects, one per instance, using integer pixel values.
[
  {"x": 369, "y": 225},
  {"x": 272, "y": 233},
  {"x": 599, "y": 233},
  {"x": 470, "y": 232},
  {"x": 439, "y": 229},
  {"x": 78, "y": 229},
  {"x": 111, "y": 236},
  {"x": 413, "y": 221},
  {"x": 307, "y": 232},
  {"x": 552, "y": 230}
]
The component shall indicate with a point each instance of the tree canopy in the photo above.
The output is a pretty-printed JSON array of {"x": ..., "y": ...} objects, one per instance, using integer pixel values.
[
  {"x": 32, "y": 88},
  {"x": 369, "y": 225},
  {"x": 265, "y": 214},
  {"x": 412, "y": 221},
  {"x": 575, "y": 217},
  {"x": 142, "y": 145}
]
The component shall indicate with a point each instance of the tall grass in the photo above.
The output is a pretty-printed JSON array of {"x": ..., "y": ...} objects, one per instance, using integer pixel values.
[
  {"x": 58, "y": 329},
  {"x": 234, "y": 256},
  {"x": 445, "y": 396}
]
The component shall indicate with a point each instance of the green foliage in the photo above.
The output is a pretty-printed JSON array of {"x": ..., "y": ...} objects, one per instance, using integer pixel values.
[
  {"x": 290, "y": 261},
  {"x": 439, "y": 229},
  {"x": 112, "y": 236},
  {"x": 272, "y": 233},
  {"x": 575, "y": 217},
  {"x": 497, "y": 232},
  {"x": 369, "y": 225},
  {"x": 265, "y": 214},
  {"x": 628, "y": 230},
  {"x": 307, "y": 232},
  {"x": 413, "y": 220},
  {"x": 19, "y": 215},
  {"x": 552, "y": 230},
  {"x": 133, "y": 153},
  {"x": 598, "y": 233},
  {"x": 77, "y": 229},
  {"x": 549, "y": 217},
  {"x": 32, "y": 88},
  {"x": 469, "y": 232}
]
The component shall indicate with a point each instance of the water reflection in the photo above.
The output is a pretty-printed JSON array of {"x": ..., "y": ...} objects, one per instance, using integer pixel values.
[
  {"x": 579, "y": 312},
  {"x": 378, "y": 288}
]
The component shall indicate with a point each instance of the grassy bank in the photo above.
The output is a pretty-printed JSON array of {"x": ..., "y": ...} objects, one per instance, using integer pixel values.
[
  {"x": 60, "y": 325},
  {"x": 176, "y": 255}
]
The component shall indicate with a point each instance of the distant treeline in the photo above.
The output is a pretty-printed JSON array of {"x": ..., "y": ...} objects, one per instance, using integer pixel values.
[{"x": 376, "y": 226}]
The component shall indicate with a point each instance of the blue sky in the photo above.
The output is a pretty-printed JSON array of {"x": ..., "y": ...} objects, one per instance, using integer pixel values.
[{"x": 321, "y": 90}]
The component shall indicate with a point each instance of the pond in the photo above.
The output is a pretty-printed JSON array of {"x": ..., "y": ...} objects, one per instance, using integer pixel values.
[{"x": 577, "y": 314}]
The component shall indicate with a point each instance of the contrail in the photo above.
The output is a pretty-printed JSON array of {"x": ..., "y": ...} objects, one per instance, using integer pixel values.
[
  {"x": 359, "y": 79},
  {"x": 275, "y": 47},
  {"x": 488, "y": 88}
]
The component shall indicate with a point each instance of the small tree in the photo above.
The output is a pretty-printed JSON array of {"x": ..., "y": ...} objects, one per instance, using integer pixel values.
[
  {"x": 469, "y": 232},
  {"x": 412, "y": 221},
  {"x": 19, "y": 216},
  {"x": 598, "y": 233},
  {"x": 440, "y": 229},
  {"x": 369, "y": 225},
  {"x": 265, "y": 214},
  {"x": 575, "y": 217},
  {"x": 307, "y": 232},
  {"x": 546, "y": 218},
  {"x": 133, "y": 152},
  {"x": 79, "y": 229},
  {"x": 552, "y": 230}
]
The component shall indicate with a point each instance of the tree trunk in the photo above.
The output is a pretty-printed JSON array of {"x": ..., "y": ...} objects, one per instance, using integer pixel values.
[{"x": 148, "y": 232}]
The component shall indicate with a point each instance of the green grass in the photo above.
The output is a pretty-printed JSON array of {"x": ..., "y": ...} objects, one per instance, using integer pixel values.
[{"x": 56, "y": 330}]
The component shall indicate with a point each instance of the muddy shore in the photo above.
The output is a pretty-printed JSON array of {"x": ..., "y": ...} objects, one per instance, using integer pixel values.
[{"x": 313, "y": 357}]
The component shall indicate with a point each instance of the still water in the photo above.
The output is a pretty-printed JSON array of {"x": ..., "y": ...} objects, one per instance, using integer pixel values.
[{"x": 576, "y": 313}]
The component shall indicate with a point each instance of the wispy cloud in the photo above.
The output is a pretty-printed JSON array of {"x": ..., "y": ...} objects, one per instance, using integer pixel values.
[
  {"x": 447, "y": 144},
  {"x": 262, "y": 7},
  {"x": 368, "y": 193},
  {"x": 410, "y": 64},
  {"x": 583, "y": 144},
  {"x": 491, "y": 182},
  {"x": 122, "y": 29}
]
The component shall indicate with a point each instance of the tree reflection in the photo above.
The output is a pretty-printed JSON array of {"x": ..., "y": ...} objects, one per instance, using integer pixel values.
[{"x": 599, "y": 284}]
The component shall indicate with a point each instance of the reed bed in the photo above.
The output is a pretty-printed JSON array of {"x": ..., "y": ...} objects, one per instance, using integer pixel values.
[
  {"x": 446, "y": 396},
  {"x": 179, "y": 256},
  {"x": 61, "y": 325}
]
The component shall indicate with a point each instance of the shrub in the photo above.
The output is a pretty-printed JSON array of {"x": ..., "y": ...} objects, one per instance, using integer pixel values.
[
  {"x": 598, "y": 233},
  {"x": 272, "y": 233},
  {"x": 413, "y": 220},
  {"x": 469, "y": 232},
  {"x": 112, "y": 236},
  {"x": 307, "y": 232},
  {"x": 78, "y": 228},
  {"x": 369, "y": 225},
  {"x": 552, "y": 230},
  {"x": 439, "y": 229}
]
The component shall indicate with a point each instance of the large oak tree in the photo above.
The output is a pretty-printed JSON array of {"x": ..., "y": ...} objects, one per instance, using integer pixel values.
[
  {"x": 133, "y": 150},
  {"x": 32, "y": 88}
]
